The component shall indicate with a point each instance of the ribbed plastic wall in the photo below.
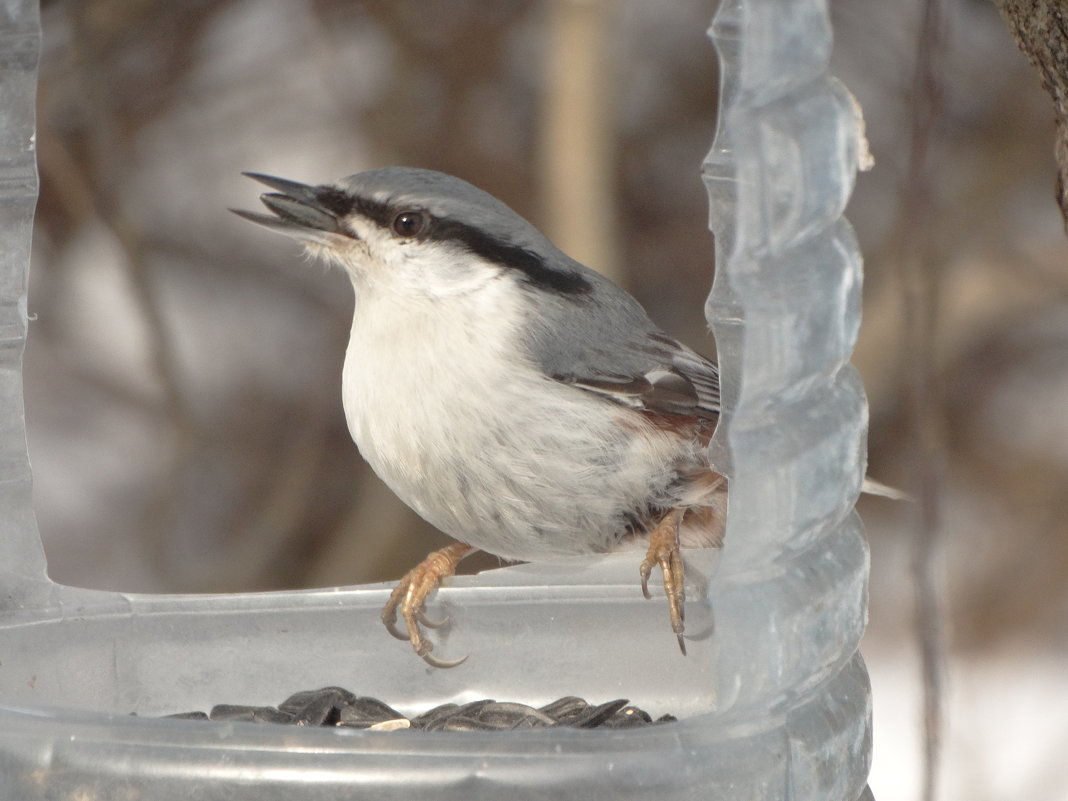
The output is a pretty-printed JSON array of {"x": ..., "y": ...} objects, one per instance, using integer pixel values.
[
  {"x": 22, "y": 566},
  {"x": 785, "y": 310}
]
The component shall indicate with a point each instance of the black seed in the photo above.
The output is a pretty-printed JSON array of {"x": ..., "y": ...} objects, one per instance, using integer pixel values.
[
  {"x": 568, "y": 706},
  {"x": 335, "y": 706},
  {"x": 596, "y": 715},
  {"x": 428, "y": 718},
  {"x": 364, "y": 712},
  {"x": 252, "y": 714},
  {"x": 627, "y": 717},
  {"x": 503, "y": 715},
  {"x": 462, "y": 723},
  {"x": 317, "y": 707},
  {"x": 268, "y": 714}
]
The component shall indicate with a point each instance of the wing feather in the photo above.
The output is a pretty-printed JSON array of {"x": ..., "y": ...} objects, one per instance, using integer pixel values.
[{"x": 674, "y": 380}]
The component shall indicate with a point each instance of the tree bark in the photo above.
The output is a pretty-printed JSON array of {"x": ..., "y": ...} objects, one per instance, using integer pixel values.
[{"x": 1040, "y": 28}]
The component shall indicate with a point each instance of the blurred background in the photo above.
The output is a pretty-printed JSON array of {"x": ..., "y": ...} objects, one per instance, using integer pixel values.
[{"x": 183, "y": 368}]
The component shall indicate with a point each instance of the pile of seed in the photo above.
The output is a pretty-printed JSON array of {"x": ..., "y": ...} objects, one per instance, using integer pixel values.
[{"x": 335, "y": 706}]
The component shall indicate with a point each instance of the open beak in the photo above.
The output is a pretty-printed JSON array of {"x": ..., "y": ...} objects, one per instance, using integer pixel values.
[{"x": 300, "y": 210}]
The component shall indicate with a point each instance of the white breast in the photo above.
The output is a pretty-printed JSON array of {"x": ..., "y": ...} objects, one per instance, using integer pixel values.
[{"x": 480, "y": 443}]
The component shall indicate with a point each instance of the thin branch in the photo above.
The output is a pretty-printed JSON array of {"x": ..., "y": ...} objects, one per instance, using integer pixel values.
[
  {"x": 921, "y": 285},
  {"x": 577, "y": 140}
]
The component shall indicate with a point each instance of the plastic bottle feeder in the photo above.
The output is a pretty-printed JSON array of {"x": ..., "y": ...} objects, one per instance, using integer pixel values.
[{"x": 773, "y": 699}]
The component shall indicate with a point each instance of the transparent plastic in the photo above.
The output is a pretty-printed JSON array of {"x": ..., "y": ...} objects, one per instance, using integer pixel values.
[{"x": 773, "y": 698}]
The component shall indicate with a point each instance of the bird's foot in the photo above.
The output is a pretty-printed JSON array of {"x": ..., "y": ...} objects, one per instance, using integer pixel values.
[
  {"x": 664, "y": 551},
  {"x": 409, "y": 597}
]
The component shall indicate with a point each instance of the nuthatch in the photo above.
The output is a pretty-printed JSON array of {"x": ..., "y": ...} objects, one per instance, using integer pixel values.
[{"x": 518, "y": 401}]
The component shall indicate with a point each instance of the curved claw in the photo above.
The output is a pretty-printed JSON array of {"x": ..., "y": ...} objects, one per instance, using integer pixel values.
[
  {"x": 431, "y": 624},
  {"x": 409, "y": 597},
  {"x": 646, "y": 570},
  {"x": 445, "y": 664},
  {"x": 664, "y": 551},
  {"x": 389, "y": 611},
  {"x": 391, "y": 627}
]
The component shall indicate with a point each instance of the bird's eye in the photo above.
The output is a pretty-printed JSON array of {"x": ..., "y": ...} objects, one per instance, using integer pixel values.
[{"x": 409, "y": 223}]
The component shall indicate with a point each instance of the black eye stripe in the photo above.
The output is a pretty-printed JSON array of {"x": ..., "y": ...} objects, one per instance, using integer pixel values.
[
  {"x": 340, "y": 203},
  {"x": 534, "y": 269},
  {"x": 525, "y": 261}
]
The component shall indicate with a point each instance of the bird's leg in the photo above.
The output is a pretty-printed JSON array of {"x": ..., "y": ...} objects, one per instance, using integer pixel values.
[
  {"x": 411, "y": 593},
  {"x": 664, "y": 551}
]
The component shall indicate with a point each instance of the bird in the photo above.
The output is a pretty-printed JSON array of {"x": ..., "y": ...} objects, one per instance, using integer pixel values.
[{"x": 517, "y": 400}]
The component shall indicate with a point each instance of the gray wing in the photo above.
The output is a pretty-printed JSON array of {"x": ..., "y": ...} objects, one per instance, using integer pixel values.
[
  {"x": 606, "y": 344},
  {"x": 671, "y": 379}
]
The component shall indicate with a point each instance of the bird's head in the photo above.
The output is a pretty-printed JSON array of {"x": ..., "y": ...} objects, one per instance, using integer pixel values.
[{"x": 416, "y": 232}]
